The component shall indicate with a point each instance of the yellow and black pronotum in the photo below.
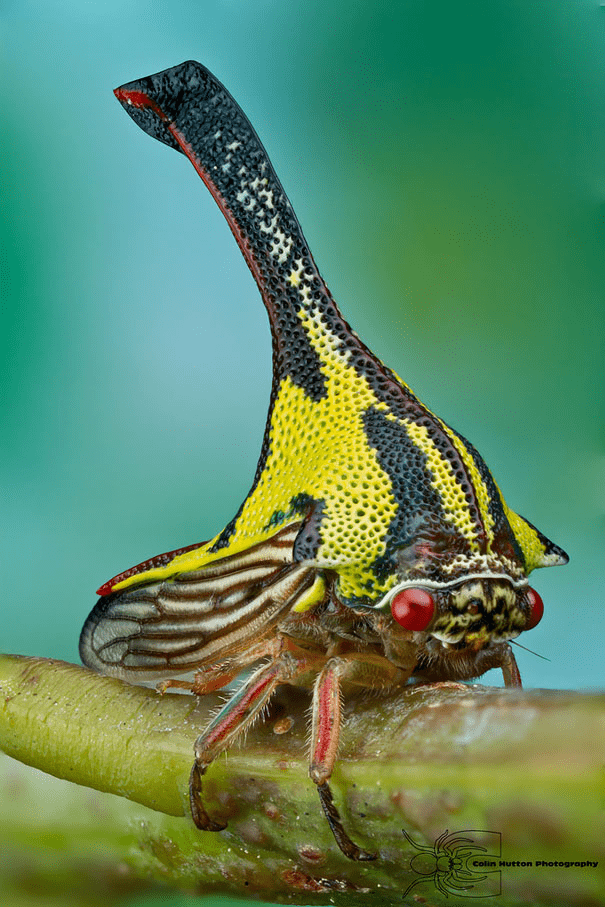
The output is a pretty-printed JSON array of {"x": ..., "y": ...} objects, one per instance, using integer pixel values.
[{"x": 374, "y": 544}]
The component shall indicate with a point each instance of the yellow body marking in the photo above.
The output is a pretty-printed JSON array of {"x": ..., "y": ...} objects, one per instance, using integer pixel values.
[{"x": 314, "y": 446}]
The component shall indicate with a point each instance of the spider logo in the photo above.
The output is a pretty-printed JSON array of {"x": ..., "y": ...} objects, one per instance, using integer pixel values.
[{"x": 446, "y": 863}]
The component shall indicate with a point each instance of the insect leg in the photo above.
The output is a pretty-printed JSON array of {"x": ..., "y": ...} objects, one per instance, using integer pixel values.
[
  {"x": 510, "y": 670},
  {"x": 236, "y": 716},
  {"x": 324, "y": 745},
  {"x": 232, "y": 720}
]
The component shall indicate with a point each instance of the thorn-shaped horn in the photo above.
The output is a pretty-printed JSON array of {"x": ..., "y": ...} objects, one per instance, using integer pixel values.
[{"x": 187, "y": 108}]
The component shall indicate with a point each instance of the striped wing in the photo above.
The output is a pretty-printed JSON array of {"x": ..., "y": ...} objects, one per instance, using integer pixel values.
[{"x": 199, "y": 618}]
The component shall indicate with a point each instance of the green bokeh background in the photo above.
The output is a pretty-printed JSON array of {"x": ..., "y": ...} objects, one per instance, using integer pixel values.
[{"x": 447, "y": 162}]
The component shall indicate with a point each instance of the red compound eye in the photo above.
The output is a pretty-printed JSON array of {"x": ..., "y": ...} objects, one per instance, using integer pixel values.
[
  {"x": 413, "y": 609},
  {"x": 536, "y": 609}
]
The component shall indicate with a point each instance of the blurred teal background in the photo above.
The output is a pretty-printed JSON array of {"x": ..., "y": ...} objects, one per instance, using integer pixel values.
[{"x": 447, "y": 162}]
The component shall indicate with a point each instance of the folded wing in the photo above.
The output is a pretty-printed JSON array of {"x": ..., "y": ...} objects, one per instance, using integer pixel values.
[{"x": 199, "y": 618}]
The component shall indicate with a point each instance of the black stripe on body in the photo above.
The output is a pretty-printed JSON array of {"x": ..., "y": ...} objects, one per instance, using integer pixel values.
[
  {"x": 419, "y": 519},
  {"x": 309, "y": 539},
  {"x": 504, "y": 541}
]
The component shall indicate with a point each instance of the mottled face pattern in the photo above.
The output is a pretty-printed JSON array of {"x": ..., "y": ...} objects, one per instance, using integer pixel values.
[{"x": 478, "y": 613}]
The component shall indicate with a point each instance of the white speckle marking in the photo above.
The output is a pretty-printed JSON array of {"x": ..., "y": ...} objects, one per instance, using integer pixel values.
[
  {"x": 270, "y": 227},
  {"x": 267, "y": 196},
  {"x": 304, "y": 292},
  {"x": 316, "y": 326}
]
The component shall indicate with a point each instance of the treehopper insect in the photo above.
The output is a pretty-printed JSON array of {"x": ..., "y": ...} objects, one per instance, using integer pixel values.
[{"x": 374, "y": 545}]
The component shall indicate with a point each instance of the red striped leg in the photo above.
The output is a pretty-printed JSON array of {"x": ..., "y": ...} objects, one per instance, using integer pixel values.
[
  {"x": 234, "y": 718},
  {"x": 324, "y": 745}
]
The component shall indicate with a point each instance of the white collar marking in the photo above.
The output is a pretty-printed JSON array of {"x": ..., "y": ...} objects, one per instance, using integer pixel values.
[{"x": 437, "y": 584}]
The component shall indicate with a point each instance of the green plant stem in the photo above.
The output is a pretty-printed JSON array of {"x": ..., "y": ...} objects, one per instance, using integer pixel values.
[{"x": 525, "y": 764}]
